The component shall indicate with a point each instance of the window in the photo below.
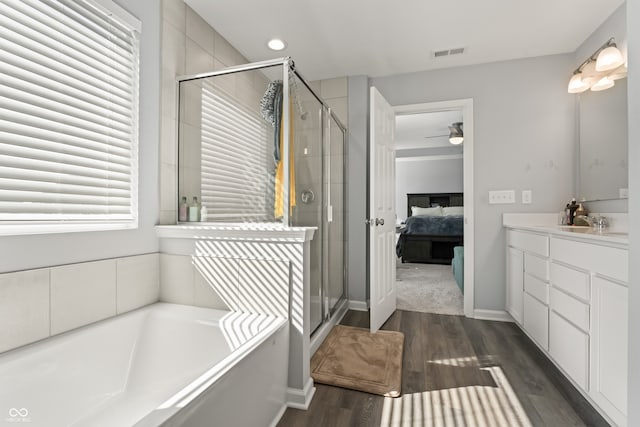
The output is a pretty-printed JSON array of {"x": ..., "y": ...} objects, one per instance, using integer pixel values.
[{"x": 68, "y": 117}]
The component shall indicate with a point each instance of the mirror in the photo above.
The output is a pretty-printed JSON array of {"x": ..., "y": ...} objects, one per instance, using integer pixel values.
[{"x": 603, "y": 165}]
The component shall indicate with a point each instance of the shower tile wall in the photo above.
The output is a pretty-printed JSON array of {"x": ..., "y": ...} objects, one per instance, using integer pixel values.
[{"x": 189, "y": 45}]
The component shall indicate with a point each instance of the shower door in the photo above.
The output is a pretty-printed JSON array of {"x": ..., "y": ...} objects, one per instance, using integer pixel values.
[
  {"x": 334, "y": 229},
  {"x": 309, "y": 188}
]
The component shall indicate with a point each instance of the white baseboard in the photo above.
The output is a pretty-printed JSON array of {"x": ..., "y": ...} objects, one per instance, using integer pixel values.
[
  {"x": 278, "y": 416},
  {"x": 301, "y": 399},
  {"x": 499, "y": 315},
  {"x": 358, "y": 305}
]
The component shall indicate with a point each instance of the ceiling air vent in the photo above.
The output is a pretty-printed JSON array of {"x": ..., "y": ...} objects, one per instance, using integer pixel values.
[{"x": 448, "y": 52}]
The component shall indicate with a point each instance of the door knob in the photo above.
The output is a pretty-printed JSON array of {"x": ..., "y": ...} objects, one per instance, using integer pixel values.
[{"x": 379, "y": 221}]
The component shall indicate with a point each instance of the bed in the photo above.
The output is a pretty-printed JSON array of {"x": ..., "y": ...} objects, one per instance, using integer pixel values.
[{"x": 433, "y": 229}]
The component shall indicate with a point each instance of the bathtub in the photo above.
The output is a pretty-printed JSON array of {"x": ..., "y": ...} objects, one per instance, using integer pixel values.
[{"x": 165, "y": 364}]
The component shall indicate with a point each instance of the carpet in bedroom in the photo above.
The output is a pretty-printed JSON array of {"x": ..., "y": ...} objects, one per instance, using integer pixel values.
[{"x": 428, "y": 288}]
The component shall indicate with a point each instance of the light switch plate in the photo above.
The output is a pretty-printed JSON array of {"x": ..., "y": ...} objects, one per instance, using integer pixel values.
[
  {"x": 502, "y": 197},
  {"x": 526, "y": 197}
]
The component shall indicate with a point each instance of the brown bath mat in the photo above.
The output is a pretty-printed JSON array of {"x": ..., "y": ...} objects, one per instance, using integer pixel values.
[{"x": 357, "y": 359}]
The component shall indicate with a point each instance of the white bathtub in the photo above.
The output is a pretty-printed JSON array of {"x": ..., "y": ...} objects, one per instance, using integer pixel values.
[{"x": 164, "y": 364}]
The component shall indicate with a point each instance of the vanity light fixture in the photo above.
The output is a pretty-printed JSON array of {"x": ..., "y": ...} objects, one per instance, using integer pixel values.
[
  {"x": 276, "y": 44},
  {"x": 456, "y": 136},
  {"x": 599, "y": 71}
]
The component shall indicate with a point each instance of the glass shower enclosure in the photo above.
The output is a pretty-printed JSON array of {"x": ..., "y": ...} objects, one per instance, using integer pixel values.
[{"x": 257, "y": 145}]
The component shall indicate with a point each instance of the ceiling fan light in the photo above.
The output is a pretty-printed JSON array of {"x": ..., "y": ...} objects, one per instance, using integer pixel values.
[
  {"x": 609, "y": 59},
  {"x": 577, "y": 84},
  {"x": 602, "y": 84},
  {"x": 456, "y": 136}
]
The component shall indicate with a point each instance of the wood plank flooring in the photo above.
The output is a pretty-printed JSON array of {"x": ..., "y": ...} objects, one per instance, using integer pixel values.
[{"x": 460, "y": 346}]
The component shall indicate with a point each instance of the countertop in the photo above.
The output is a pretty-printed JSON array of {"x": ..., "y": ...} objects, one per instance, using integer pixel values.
[{"x": 542, "y": 223}]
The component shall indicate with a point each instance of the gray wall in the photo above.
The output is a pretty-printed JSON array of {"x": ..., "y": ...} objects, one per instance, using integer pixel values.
[
  {"x": 357, "y": 177},
  {"x": 633, "y": 17},
  {"x": 524, "y": 138},
  {"x": 25, "y": 252},
  {"x": 426, "y": 176}
]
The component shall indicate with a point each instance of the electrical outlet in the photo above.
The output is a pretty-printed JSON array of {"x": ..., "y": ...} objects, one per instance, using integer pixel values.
[
  {"x": 526, "y": 197},
  {"x": 502, "y": 197}
]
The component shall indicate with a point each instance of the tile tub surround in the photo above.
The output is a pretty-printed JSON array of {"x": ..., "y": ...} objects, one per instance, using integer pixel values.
[
  {"x": 36, "y": 304},
  {"x": 163, "y": 364},
  {"x": 240, "y": 260}
]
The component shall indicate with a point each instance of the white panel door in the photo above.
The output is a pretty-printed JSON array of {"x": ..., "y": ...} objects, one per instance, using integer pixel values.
[{"x": 382, "y": 259}]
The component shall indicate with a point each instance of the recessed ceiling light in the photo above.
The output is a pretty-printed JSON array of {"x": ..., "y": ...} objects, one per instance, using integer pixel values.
[{"x": 277, "y": 44}]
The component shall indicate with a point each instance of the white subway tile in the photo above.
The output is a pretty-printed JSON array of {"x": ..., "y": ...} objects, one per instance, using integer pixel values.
[
  {"x": 81, "y": 294},
  {"x": 198, "y": 60},
  {"x": 174, "y": 12},
  {"x": 138, "y": 282},
  {"x": 24, "y": 308},
  {"x": 176, "y": 279},
  {"x": 334, "y": 88},
  {"x": 199, "y": 31},
  {"x": 168, "y": 187},
  {"x": 216, "y": 283}
]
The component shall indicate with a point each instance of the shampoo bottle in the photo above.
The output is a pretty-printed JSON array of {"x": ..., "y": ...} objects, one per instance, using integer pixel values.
[
  {"x": 194, "y": 210},
  {"x": 182, "y": 211},
  {"x": 203, "y": 213}
]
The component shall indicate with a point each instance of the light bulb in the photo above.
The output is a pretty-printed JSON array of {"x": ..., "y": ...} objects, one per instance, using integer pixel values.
[
  {"x": 577, "y": 84},
  {"x": 609, "y": 59},
  {"x": 276, "y": 44},
  {"x": 602, "y": 84}
]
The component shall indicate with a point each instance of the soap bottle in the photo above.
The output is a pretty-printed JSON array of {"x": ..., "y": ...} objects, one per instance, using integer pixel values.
[
  {"x": 203, "y": 213},
  {"x": 572, "y": 210},
  {"x": 194, "y": 210},
  {"x": 182, "y": 211}
]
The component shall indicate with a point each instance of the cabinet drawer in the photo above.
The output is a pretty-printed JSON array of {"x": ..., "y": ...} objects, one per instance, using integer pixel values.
[
  {"x": 570, "y": 308},
  {"x": 608, "y": 261},
  {"x": 536, "y": 320},
  {"x": 536, "y": 266},
  {"x": 530, "y": 242},
  {"x": 569, "y": 347},
  {"x": 571, "y": 281},
  {"x": 537, "y": 288}
]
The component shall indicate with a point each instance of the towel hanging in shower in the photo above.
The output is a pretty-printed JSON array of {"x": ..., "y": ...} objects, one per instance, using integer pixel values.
[
  {"x": 279, "y": 181},
  {"x": 271, "y": 109}
]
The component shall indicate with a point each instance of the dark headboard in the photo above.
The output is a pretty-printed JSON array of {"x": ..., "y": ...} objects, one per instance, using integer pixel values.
[{"x": 427, "y": 200}]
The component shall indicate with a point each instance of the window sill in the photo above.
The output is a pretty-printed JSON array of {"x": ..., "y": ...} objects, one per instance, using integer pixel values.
[{"x": 20, "y": 229}]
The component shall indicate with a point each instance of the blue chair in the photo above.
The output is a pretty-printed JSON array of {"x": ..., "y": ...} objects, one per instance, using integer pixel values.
[{"x": 457, "y": 265}]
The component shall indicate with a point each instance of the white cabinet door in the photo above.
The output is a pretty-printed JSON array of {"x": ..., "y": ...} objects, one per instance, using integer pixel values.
[
  {"x": 536, "y": 321},
  {"x": 609, "y": 322},
  {"x": 515, "y": 283},
  {"x": 569, "y": 347}
]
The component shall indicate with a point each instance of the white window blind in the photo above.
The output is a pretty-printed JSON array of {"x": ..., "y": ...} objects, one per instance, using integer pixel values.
[
  {"x": 68, "y": 113},
  {"x": 236, "y": 159}
]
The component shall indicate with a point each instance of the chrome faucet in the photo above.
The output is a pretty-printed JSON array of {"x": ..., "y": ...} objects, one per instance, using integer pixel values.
[{"x": 598, "y": 222}]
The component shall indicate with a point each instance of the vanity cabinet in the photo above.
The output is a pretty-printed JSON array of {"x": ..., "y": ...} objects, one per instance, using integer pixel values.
[
  {"x": 570, "y": 295},
  {"x": 609, "y": 364},
  {"x": 528, "y": 273},
  {"x": 515, "y": 283}
]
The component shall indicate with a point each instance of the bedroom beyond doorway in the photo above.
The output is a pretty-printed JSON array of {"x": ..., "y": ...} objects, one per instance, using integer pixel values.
[{"x": 429, "y": 212}]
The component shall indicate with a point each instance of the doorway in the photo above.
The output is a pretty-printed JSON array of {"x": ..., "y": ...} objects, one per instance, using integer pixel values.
[{"x": 417, "y": 153}]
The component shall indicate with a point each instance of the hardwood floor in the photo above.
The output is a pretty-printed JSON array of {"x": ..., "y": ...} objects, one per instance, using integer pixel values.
[{"x": 445, "y": 352}]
